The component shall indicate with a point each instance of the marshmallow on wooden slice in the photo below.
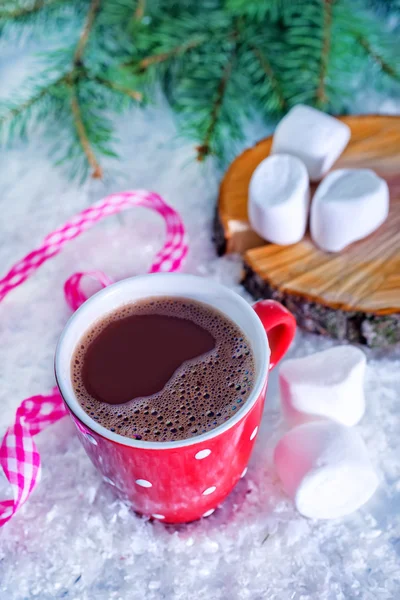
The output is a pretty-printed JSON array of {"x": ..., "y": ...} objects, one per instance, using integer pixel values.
[
  {"x": 348, "y": 205},
  {"x": 314, "y": 137},
  {"x": 278, "y": 199},
  {"x": 328, "y": 384},
  {"x": 324, "y": 467}
]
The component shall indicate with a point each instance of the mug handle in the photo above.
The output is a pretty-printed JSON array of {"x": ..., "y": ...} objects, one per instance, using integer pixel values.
[{"x": 280, "y": 327}]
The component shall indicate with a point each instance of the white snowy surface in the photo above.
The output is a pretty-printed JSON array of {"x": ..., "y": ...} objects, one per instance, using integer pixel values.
[{"x": 72, "y": 539}]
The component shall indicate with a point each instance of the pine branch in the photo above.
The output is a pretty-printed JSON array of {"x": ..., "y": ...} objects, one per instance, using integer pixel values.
[
  {"x": 24, "y": 107},
  {"x": 25, "y": 11},
  {"x": 134, "y": 94},
  {"x": 259, "y": 9},
  {"x": 164, "y": 56},
  {"x": 72, "y": 80},
  {"x": 386, "y": 68},
  {"x": 21, "y": 108},
  {"x": 139, "y": 10},
  {"x": 321, "y": 96},
  {"x": 84, "y": 37},
  {"x": 82, "y": 135},
  {"x": 217, "y": 62},
  {"x": 267, "y": 67},
  {"x": 205, "y": 148}
]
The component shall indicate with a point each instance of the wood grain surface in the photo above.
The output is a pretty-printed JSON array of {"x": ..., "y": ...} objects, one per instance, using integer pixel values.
[{"x": 364, "y": 278}]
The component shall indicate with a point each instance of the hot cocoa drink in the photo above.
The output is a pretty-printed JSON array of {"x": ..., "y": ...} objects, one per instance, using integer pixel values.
[{"x": 163, "y": 369}]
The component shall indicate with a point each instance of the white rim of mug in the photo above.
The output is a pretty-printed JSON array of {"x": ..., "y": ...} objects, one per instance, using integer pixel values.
[{"x": 81, "y": 415}]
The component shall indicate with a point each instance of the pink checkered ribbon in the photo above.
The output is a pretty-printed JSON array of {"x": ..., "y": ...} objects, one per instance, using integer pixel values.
[
  {"x": 19, "y": 456},
  {"x": 74, "y": 294},
  {"x": 169, "y": 258}
]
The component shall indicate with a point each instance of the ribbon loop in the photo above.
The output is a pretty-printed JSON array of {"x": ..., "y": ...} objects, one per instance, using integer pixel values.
[
  {"x": 74, "y": 294},
  {"x": 19, "y": 456}
]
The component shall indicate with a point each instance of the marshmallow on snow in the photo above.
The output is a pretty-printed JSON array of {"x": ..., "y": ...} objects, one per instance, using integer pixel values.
[
  {"x": 324, "y": 467},
  {"x": 328, "y": 384}
]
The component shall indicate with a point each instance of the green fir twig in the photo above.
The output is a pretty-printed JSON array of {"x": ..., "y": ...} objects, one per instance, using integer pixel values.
[
  {"x": 133, "y": 94},
  {"x": 321, "y": 97},
  {"x": 97, "y": 172},
  {"x": 111, "y": 52},
  {"x": 205, "y": 148},
  {"x": 378, "y": 59},
  {"x": 139, "y": 11},
  {"x": 155, "y": 59},
  {"x": 85, "y": 33},
  {"x": 25, "y": 11},
  {"x": 269, "y": 71},
  {"x": 73, "y": 79},
  {"x": 21, "y": 108}
]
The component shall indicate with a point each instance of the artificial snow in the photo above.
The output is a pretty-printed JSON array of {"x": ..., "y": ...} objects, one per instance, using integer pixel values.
[{"x": 72, "y": 539}]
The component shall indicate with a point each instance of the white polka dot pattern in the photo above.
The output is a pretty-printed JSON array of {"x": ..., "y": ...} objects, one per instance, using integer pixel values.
[
  {"x": 144, "y": 483},
  {"x": 209, "y": 512},
  {"x": 157, "y": 516},
  {"x": 202, "y": 454},
  {"x": 169, "y": 258},
  {"x": 253, "y": 435},
  {"x": 108, "y": 480},
  {"x": 244, "y": 473},
  {"x": 209, "y": 490},
  {"x": 91, "y": 439}
]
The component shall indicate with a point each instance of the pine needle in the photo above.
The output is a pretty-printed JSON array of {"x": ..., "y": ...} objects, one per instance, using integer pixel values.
[
  {"x": 218, "y": 63},
  {"x": 82, "y": 135},
  {"x": 85, "y": 33},
  {"x": 265, "y": 539},
  {"x": 379, "y": 60},
  {"x": 139, "y": 10},
  {"x": 21, "y": 108},
  {"x": 204, "y": 149},
  {"x": 25, "y": 11},
  {"x": 145, "y": 63},
  {"x": 321, "y": 97},
  {"x": 135, "y": 95},
  {"x": 269, "y": 71}
]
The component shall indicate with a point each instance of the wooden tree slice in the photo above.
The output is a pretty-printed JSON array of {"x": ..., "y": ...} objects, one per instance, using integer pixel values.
[{"x": 354, "y": 294}]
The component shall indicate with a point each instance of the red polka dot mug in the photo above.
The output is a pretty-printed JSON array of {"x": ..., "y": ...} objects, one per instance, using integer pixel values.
[{"x": 177, "y": 481}]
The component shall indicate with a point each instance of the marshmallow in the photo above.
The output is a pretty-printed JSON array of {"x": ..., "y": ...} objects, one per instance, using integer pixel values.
[
  {"x": 324, "y": 467},
  {"x": 314, "y": 137},
  {"x": 327, "y": 384},
  {"x": 348, "y": 205},
  {"x": 278, "y": 199}
]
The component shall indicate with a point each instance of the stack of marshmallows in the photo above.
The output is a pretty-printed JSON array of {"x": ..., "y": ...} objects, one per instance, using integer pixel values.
[
  {"x": 348, "y": 204},
  {"x": 322, "y": 461}
]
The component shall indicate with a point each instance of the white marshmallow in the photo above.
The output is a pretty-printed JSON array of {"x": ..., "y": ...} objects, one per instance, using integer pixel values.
[
  {"x": 348, "y": 205},
  {"x": 314, "y": 137},
  {"x": 328, "y": 384},
  {"x": 324, "y": 467},
  {"x": 279, "y": 197}
]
